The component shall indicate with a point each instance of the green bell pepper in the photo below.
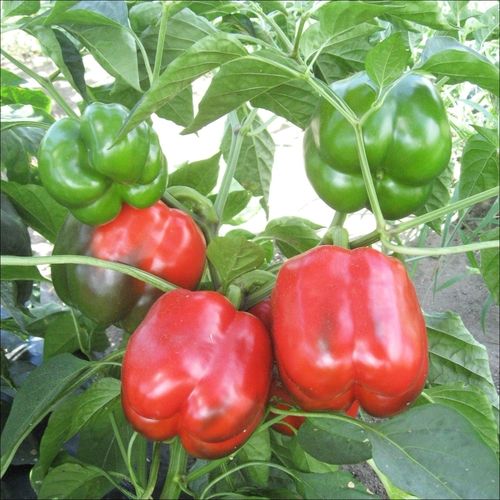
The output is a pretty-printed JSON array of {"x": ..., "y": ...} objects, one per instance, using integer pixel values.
[
  {"x": 82, "y": 169},
  {"x": 407, "y": 140}
]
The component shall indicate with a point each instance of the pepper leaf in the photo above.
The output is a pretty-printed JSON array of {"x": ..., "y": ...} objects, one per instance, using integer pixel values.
[
  {"x": 444, "y": 56},
  {"x": 479, "y": 170},
  {"x": 386, "y": 62},
  {"x": 456, "y": 356},
  {"x": 34, "y": 399},
  {"x": 233, "y": 256},
  {"x": 422, "y": 449}
]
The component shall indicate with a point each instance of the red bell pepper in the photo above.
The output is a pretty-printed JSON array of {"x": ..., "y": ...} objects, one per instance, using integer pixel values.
[
  {"x": 347, "y": 326},
  {"x": 197, "y": 368}
]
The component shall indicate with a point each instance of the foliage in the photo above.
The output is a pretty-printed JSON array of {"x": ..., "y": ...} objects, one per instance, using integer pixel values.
[{"x": 261, "y": 61}]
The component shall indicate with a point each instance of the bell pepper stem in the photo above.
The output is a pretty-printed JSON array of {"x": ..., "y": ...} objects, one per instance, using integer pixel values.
[
  {"x": 165, "y": 14},
  {"x": 153, "y": 471},
  {"x": 234, "y": 153},
  {"x": 367, "y": 177},
  {"x": 176, "y": 470}
]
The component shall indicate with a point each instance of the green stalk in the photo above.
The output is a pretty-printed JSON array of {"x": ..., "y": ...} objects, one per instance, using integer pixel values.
[
  {"x": 432, "y": 252},
  {"x": 153, "y": 472},
  {"x": 202, "y": 471},
  {"x": 176, "y": 470},
  {"x": 165, "y": 14},
  {"x": 367, "y": 177},
  {"x": 365, "y": 240},
  {"x": 234, "y": 154},
  {"x": 284, "y": 39},
  {"x": 298, "y": 35},
  {"x": 124, "y": 455},
  {"x": 44, "y": 83},
  {"x": 440, "y": 212},
  {"x": 144, "y": 55},
  {"x": 12, "y": 260}
]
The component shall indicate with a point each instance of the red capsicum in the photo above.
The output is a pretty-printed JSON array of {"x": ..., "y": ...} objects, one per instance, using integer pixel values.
[
  {"x": 279, "y": 396},
  {"x": 347, "y": 326},
  {"x": 197, "y": 368}
]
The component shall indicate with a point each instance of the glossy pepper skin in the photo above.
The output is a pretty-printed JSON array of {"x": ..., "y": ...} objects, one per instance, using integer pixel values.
[
  {"x": 81, "y": 170},
  {"x": 279, "y": 396},
  {"x": 347, "y": 326},
  {"x": 197, "y": 368},
  {"x": 161, "y": 240},
  {"x": 407, "y": 141}
]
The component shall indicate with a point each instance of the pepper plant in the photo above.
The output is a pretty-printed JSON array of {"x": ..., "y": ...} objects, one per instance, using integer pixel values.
[{"x": 398, "y": 104}]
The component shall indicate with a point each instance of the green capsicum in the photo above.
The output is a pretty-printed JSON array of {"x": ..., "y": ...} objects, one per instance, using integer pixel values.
[
  {"x": 407, "y": 140},
  {"x": 82, "y": 168}
]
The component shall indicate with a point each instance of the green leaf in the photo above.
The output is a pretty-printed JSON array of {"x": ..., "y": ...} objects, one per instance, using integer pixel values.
[
  {"x": 73, "y": 481},
  {"x": 352, "y": 44},
  {"x": 234, "y": 256},
  {"x": 471, "y": 403},
  {"x": 68, "y": 419},
  {"x": 293, "y": 235},
  {"x": 387, "y": 61},
  {"x": 489, "y": 267},
  {"x": 455, "y": 356},
  {"x": 238, "y": 81},
  {"x": 257, "y": 448},
  {"x": 63, "y": 335},
  {"x": 444, "y": 56},
  {"x": 98, "y": 442},
  {"x": 432, "y": 451},
  {"x": 293, "y": 455},
  {"x": 88, "y": 13},
  {"x": 200, "y": 175},
  {"x": 36, "y": 207},
  {"x": 102, "y": 43},
  {"x": 43, "y": 387},
  {"x": 20, "y": 7},
  {"x": 334, "y": 441},
  {"x": 427, "y": 13},
  {"x": 10, "y": 79},
  {"x": 17, "y": 115},
  {"x": 338, "y": 18},
  {"x": 236, "y": 202},
  {"x": 56, "y": 45},
  {"x": 295, "y": 101},
  {"x": 15, "y": 273},
  {"x": 205, "y": 55},
  {"x": 479, "y": 169},
  {"x": 439, "y": 197},
  {"x": 335, "y": 485},
  {"x": 20, "y": 95},
  {"x": 255, "y": 162}
]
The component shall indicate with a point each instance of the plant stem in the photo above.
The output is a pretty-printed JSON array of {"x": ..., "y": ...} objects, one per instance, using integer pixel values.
[
  {"x": 153, "y": 471},
  {"x": 213, "y": 464},
  {"x": 12, "y": 260},
  {"x": 432, "y": 252},
  {"x": 298, "y": 35},
  {"x": 165, "y": 14},
  {"x": 440, "y": 212},
  {"x": 176, "y": 470},
  {"x": 144, "y": 55},
  {"x": 234, "y": 153},
  {"x": 366, "y": 240},
  {"x": 284, "y": 39},
  {"x": 124, "y": 455},
  {"x": 44, "y": 83},
  {"x": 367, "y": 177}
]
